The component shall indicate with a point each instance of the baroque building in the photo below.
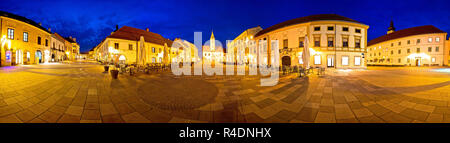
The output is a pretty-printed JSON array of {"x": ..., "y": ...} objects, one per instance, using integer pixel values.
[
  {"x": 23, "y": 41},
  {"x": 416, "y": 46},
  {"x": 335, "y": 41}
]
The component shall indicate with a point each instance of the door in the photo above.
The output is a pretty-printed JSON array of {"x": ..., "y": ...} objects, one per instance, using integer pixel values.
[
  {"x": 286, "y": 61},
  {"x": 418, "y": 62},
  {"x": 330, "y": 62}
]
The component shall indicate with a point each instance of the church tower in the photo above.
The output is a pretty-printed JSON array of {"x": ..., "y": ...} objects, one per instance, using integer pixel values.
[
  {"x": 212, "y": 42},
  {"x": 391, "y": 28}
]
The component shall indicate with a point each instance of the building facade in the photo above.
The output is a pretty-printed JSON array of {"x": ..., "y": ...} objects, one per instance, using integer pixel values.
[
  {"x": 72, "y": 48},
  {"x": 23, "y": 41},
  {"x": 123, "y": 46},
  {"x": 241, "y": 41},
  {"x": 416, "y": 46},
  {"x": 57, "y": 52},
  {"x": 334, "y": 41}
]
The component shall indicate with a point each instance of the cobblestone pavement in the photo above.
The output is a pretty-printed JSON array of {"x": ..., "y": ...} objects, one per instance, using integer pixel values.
[{"x": 81, "y": 92}]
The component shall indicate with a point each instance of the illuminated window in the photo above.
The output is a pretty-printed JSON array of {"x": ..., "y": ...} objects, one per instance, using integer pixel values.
[
  {"x": 317, "y": 60},
  {"x": 345, "y": 61},
  {"x": 10, "y": 33},
  {"x": 154, "y": 50},
  {"x": 433, "y": 59},
  {"x": 285, "y": 43},
  {"x": 430, "y": 40},
  {"x": 437, "y": 39},
  {"x": 300, "y": 58},
  {"x": 153, "y": 60},
  {"x": 357, "y": 61},
  {"x": 25, "y": 36}
]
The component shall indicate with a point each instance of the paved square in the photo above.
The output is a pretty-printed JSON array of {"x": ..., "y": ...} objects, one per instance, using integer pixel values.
[{"x": 82, "y": 93}]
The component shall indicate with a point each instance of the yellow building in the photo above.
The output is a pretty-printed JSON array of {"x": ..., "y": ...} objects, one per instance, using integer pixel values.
[
  {"x": 57, "y": 52},
  {"x": 192, "y": 57},
  {"x": 334, "y": 41},
  {"x": 417, "y": 46},
  {"x": 23, "y": 41},
  {"x": 124, "y": 43},
  {"x": 72, "y": 48},
  {"x": 239, "y": 42}
]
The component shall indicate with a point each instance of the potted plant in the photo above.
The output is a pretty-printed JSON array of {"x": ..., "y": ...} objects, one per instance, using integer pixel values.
[
  {"x": 106, "y": 67},
  {"x": 114, "y": 72}
]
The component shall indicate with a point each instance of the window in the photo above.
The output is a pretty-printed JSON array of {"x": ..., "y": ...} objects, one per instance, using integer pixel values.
[
  {"x": 330, "y": 42},
  {"x": 160, "y": 51},
  {"x": 399, "y": 60},
  {"x": 357, "y": 30},
  {"x": 408, "y": 51},
  {"x": 10, "y": 33},
  {"x": 345, "y": 42},
  {"x": 153, "y": 49},
  {"x": 418, "y": 41},
  {"x": 330, "y": 28},
  {"x": 345, "y": 29},
  {"x": 46, "y": 42},
  {"x": 39, "y": 40},
  {"x": 418, "y": 50},
  {"x": 407, "y": 60},
  {"x": 153, "y": 60},
  {"x": 25, "y": 36},
  {"x": 409, "y": 42},
  {"x": 345, "y": 61},
  {"x": 430, "y": 40},
  {"x": 357, "y": 43},
  {"x": 116, "y": 45},
  {"x": 392, "y": 52},
  {"x": 433, "y": 59},
  {"x": 399, "y": 51},
  {"x": 285, "y": 43},
  {"x": 429, "y": 49},
  {"x": 301, "y": 42},
  {"x": 437, "y": 49},
  {"x": 437, "y": 39},
  {"x": 392, "y": 44},
  {"x": 357, "y": 61},
  {"x": 316, "y": 28},
  {"x": 399, "y": 43},
  {"x": 130, "y": 47},
  {"x": 316, "y": 41},
  {"x": 317, "y": 60}
]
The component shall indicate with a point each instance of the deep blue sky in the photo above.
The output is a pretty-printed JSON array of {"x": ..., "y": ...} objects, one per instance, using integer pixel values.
[{"x": 91, "y": 21}]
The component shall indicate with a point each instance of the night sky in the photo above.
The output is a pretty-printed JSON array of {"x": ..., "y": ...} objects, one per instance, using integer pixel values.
[{"x": 91, "y": 21}]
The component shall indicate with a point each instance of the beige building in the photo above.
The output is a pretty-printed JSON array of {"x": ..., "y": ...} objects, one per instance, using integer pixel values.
[
  {"x": 57, "y": 52},
  {"x": 192, "y": 57},
  {"x": 123, "y": 45},
  {"x": 334, "y": 41},
  {"x": 23, "y": 41},
  {"x": 417, "y": 46},
  {"x": 240, "y": 44}
]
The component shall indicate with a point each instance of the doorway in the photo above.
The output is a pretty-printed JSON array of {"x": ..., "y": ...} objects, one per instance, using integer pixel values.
[
  {"x": 418, "y": 62},
  {"x": 39, "y": 56},
  {"x": 286, "y": 61},
  {"x": 330, "y": 61}
]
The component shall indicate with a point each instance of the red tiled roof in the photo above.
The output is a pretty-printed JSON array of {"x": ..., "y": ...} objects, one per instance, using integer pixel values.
[
  {"x": 427, "y": 29},
  {"x": 304, "y": 20},
  {"x": 130, "y": 33}
]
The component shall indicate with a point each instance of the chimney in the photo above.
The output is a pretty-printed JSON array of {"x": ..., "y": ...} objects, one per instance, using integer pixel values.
[
  {"x": 117, "y": 28},
  {"x": 40, "y": 24},
  {"x": 148, "y": 30},
  {"x": 75, "y": 39},
  {"x": 70, "y": 37},
  {"x": 49, "y": 29}
]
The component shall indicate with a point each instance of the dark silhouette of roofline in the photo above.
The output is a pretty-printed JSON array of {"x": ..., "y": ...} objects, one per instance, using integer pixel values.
[{"x": 23, "y": 19}]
